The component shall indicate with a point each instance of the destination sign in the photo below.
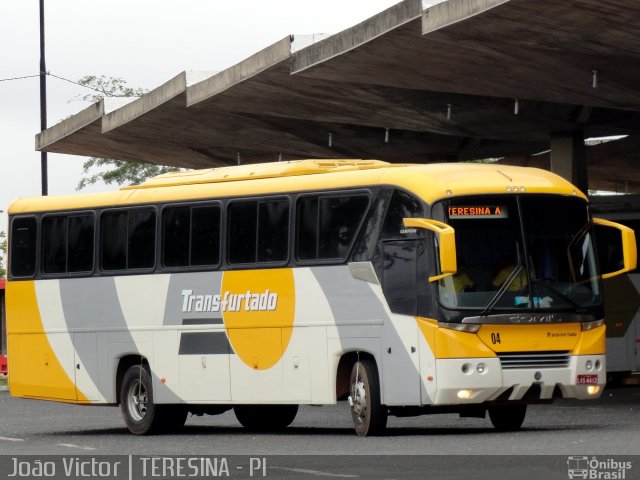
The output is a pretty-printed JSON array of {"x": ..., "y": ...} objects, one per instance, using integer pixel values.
[{"x": 478, "y": 212}]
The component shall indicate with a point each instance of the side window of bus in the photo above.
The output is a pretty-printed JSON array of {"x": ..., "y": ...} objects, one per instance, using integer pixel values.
[
  {"x": 191, "y": 236},
  {"x": 128, "y": 239},
  {"x": 258, "y": 231},
  {"x": 402, "y": 205},
  {"x": 67, "y": 244},
  {"x": 23, "y": 247},
  {"x": 80, "y": 243},
  {"x": 327, "y": 226},
  {"x": 142, "y": 239},
  {"x": 54, "y": 244},
  {"x": 401, "y": 251}
]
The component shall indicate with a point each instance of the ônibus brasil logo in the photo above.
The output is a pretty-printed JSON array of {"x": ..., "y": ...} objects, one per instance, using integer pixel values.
[{"x": 597, "y": 469}]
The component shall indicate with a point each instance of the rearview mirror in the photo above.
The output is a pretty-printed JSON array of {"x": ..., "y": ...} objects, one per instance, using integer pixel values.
[
  {"x": 616, "y": 248},
  {"x": 447, "y": 240}
]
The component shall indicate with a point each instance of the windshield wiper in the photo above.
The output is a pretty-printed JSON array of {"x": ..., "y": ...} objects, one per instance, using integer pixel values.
[
  {"x": 507, "y": 283},
  {"x": 503, "y": 288}
]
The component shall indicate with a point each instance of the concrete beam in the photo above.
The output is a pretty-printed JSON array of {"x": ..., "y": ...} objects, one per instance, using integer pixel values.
[
  {"x": 248, "y": 68},
  {"x": 68, "y": 126},
  {"x": 155, "y": 98},
  {"x": 351, "y": 38},
  {"x": 447, "y": 13}
]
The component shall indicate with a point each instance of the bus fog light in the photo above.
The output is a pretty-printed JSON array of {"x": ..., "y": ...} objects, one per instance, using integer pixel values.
[
  {"x": 588, "y": 365},
  {"x": 481, "y": 368},
  {"x": 465, "y": 394},
  {"x": 467, "y": 368},
  {"x": 593, "y": 389},
  {"x": 598, "y": 365}
]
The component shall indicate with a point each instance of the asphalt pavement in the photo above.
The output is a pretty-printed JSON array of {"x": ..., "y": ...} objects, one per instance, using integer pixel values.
[{"x": 321, "y": 442}]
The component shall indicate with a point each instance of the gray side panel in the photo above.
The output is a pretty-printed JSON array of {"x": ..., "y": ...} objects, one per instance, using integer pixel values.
[
  {"x": 91, "y": 303},
  {"x": 351, "y": 300},
  {"x": 200, "y": 283},
  {"x": 201, "y": 321},
  {"x": 204, "y": 343}
]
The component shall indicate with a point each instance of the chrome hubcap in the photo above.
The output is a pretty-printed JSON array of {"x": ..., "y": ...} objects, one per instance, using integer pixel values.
[
  {"x": 359, "y": 396},
  {"x": 137, "y": 400}
]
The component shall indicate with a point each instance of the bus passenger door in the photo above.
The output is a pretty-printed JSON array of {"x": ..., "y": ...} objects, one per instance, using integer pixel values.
[{"x": 400, "y": 353}]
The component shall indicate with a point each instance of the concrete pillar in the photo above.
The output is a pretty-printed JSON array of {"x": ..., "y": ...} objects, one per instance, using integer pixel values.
[{"x": 568, "y": 158}]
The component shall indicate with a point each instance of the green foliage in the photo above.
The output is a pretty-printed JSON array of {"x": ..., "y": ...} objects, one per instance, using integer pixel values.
[
  {"x": 119, "y": 172},
  {"x": 111, "y": 171},
  {"x": 108, "y": 87}
]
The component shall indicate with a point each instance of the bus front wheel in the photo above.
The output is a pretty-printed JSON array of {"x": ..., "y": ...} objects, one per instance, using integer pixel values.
[
  {"x": 507, "y": 418},
  {"x": 265, "y": 418},
  {"x": 368, "y": 414}
]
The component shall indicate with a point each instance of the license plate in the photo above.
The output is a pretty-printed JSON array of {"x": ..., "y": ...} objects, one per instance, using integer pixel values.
[{"x": 587, "y": 380}]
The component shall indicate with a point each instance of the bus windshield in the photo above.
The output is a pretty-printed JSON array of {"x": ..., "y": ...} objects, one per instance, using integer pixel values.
[{"x": 528, "y": 252}]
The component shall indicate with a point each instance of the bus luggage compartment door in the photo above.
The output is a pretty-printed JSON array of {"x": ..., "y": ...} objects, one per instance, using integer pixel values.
[{"x": 86, "y": 366}]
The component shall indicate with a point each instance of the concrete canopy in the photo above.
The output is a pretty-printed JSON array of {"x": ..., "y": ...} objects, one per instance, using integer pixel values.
[{"x": 463, "y": 79}]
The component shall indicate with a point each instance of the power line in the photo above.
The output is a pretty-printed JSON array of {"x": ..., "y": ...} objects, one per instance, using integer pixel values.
[
  {"x": 18, "y": 78},
  {"x": 64, "y": 79},
  {"x": 85, "y": 86}
]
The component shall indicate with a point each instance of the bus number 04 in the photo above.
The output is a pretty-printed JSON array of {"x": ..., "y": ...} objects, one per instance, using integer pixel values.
[{"x": 495, "y": 338}]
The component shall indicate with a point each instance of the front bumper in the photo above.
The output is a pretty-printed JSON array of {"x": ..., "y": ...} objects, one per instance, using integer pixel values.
[{"x": 460, "y": 382}]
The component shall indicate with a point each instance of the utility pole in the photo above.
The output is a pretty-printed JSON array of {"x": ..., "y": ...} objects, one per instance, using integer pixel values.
[{"x": 43, "y": 103}]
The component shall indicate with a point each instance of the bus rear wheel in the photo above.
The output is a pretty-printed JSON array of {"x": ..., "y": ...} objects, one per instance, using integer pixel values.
[
  {"x": 141, "y": 415},
  {"x": 265, "y": 418},
  {"x": 368, "y": 414},
  {"x": 507, "y": 418}
]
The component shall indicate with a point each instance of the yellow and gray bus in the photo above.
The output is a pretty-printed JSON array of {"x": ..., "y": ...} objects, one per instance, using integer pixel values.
[{"x": 404, "y": 289}]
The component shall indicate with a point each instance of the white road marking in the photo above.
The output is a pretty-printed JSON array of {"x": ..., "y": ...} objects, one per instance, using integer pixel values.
[
  {"x": 10, "y": 439},
  {"x": 71, "y": 445},
  {"x": 315, "y": 472}
]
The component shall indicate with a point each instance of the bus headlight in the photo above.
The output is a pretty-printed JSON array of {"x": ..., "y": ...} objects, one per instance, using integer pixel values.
[
  {"x": 593, "y": 389},
  {"x": 591, "y": 325},
  {"x": 481, "y": 368},
  {"x": 588, "y": 365},
  {"x": 460, "y": 327},
  {"x": 465, "y": 394}
]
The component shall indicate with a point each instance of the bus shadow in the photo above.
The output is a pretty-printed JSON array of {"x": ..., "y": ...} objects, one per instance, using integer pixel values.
[{"x": 324, "y": 431}]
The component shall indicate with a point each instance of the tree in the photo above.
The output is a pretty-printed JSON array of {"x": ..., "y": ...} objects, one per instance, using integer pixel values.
[{"x": 109, "y": 170}]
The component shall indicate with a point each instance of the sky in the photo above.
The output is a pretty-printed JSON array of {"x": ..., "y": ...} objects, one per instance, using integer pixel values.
[{"x": 145, "y": 42}]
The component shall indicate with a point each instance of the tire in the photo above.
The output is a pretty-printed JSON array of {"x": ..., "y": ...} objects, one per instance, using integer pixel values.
[
  {"x": 265, "y": 418},
  {"x": 507, "y": 418},
  {"x": 368, "y": 414},
  {"x": 141, "y": 415}
]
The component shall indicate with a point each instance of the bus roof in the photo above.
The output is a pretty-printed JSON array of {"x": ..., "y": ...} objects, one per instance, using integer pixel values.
[{"x": 431, "y": 182}]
